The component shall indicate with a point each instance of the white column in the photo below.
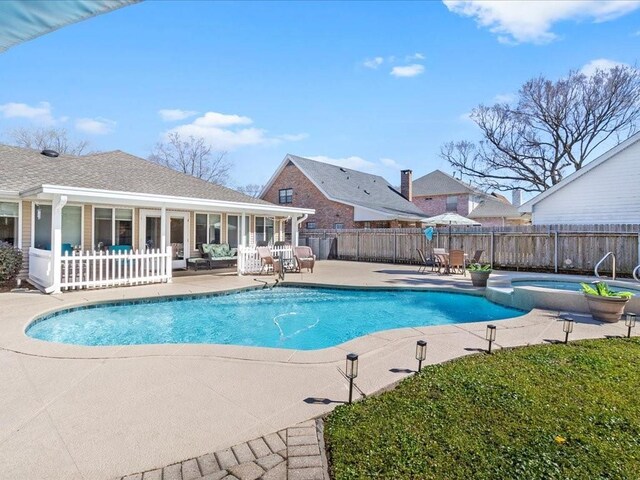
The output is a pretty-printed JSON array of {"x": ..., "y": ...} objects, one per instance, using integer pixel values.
[
  {"x": 243, "y": 233},
  {"x": 294, "y": 231},
  {"x": 59, "y": 201},
  {"x": 163, "y": 229}
]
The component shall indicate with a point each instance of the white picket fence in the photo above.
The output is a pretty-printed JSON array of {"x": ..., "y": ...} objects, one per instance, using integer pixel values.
[
  {"x": 249, "y": 260},
  {"x": 108, "y": 269}
]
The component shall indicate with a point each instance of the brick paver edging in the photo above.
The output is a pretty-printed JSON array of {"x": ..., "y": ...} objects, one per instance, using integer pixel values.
[{"x": 296, "y": 453}]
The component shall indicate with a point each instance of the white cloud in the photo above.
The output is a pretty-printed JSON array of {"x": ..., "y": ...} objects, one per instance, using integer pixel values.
[
  {"x": 174, "y": 115},
  {"x": 95, "y": 126},
  {"x": 391, "y": 163},
  {"x": 600, "y": 64},
  {"x": 383, "y": 166},
  {"x": 407, "y": 70},
  {"x": 504, "y": 98},
  {"x": 39, "y": 114},
  {"x": 230, "y": 132},
  {"x": 415, "y": 56},
  {"x": 373, "y": 62},
  {"x": 531, "y": 20},
  {"x": 465, "y": 117}
]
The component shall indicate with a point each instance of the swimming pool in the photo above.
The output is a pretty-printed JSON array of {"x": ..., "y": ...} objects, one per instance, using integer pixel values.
[
  {"x": 285, "y": 317},
  {"x": 564, "y": 285}
]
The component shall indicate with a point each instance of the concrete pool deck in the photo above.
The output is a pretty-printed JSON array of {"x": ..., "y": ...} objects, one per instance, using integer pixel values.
[{"x": 74, "y": 412}]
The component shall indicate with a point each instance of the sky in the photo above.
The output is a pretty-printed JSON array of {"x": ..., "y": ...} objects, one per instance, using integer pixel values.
[{"x": 374, "y": 86}]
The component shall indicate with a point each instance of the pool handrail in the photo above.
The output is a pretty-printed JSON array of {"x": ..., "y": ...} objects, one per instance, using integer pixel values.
[
  {"x": 613, "y": 264},
  {"x": 636, "y": 271}
]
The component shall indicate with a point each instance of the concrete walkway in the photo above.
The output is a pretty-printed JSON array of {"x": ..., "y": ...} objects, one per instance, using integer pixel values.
[{"x": 72, "y": 412}]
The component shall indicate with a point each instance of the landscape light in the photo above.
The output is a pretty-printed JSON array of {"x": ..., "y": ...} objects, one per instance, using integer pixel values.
[
  {"x": 630, "y": 322},
  {"x": 421, "y": 352},
  {"x": 490, "y": 335},
  {"x": 567, "y": 328},
  {"x": 351, "y": 371}
]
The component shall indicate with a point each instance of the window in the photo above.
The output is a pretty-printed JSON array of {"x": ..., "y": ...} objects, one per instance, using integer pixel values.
[
  {"x": 367, "y": 225},
  {"x": 71, "y": 228},
  {"x": 112, "y": 226},
  {"x": 452, "y": 203},
  {"x": 338, "y": 226},
  {"x": 9, "y": 223},
  {"x": 286, "y": 195},
  {"x": 311, "y": 225},
  {"x": 208, "y": 228},
  {"x": 233, "y": 235},
  {"x": 264, "y": 229}
]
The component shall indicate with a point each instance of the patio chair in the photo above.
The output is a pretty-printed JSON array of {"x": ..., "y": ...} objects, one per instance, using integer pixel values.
[
  {"x": 438, "y": 254},
  {"x": 456, "y": 261},
  {"x": 423, "y": 261},
  {"x": 304, "y": 258},
  {"x": 266, "y": 258},
  {"x": 476, "y": 256},
  {"x": 441, "y": 262}
]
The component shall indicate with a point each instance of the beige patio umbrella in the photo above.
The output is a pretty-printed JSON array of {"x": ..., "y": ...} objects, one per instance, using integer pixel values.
[{"x": 449, "y": 219}]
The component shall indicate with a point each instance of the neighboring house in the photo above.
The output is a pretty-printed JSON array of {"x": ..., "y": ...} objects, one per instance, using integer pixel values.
[
  {"x": 94, "y": 202},
  {"x": 604, "y": 191},
  {"x": 438, "y": 192},
  {"x": 341, "y": 197}
]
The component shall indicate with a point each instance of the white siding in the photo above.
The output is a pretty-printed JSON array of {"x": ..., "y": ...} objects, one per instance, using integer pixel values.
[{"x": 609, "y": 193}]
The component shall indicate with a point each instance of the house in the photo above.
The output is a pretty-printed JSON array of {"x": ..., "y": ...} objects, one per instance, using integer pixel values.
[
  {"x": 341, "y": 197},
  {"x": 438, "y": 192},
  {"x": 604, "y": 191},
  {"x": 96, "y": 203}
]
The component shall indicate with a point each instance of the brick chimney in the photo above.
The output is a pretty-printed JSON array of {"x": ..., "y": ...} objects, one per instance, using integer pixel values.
[
  {"x": 406, "y": 184},
  {"x": 516, "y": 197}
]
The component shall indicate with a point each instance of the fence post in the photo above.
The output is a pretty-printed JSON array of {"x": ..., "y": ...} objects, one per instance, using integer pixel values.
[
  {"x": 357, "y": 246},
  {"x": 395, "y": 244},
  {"x": 555, "y": 252},
  {"x": 492, "y": 249}
]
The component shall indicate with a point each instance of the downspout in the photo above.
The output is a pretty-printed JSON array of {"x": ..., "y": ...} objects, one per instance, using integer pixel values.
[{"x": 297, "y": 222}]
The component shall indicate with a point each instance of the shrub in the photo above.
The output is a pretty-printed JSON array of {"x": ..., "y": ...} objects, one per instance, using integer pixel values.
[{"x": 10, "y": 262}]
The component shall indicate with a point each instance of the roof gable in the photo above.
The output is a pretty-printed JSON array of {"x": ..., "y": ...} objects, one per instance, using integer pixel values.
[
  {"x": 440, "y": 183},
  {"x": 494, "y": 208},
  {"x": 527, "y": 207},
  {"x": 352, "y": 187}
]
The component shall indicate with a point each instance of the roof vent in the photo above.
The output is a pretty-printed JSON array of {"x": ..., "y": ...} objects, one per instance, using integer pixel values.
[
  {"x": 50, "y": 153},
  {"x": 367, "y": 192},
  {"x": 343, "y": 170}
]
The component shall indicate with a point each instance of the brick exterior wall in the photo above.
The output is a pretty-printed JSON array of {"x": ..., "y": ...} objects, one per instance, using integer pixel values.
[
  {"x": 438, "y": 204},
  {"x": 306, "y": 195}
]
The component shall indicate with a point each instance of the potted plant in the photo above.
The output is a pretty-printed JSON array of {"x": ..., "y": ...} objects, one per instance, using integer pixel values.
[
  {"x": 604, "y": 304},
  {"x": 479, "y": 274}
]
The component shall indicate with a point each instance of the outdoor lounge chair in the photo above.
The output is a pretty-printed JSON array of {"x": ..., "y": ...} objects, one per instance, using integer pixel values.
[
  {"x": 437, "y": 257},
  {"x": 423, "y": 261},
  {"x": 476, "y": 256},
  {"x": 304, "y": 258}
]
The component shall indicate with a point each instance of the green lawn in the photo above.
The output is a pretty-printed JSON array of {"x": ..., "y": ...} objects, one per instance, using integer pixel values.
[{"x": 544, "y": 412}]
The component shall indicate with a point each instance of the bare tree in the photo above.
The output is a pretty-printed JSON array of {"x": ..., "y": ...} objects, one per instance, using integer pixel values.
[
  {"x": 252, "y": 189},
  {"x": 192, "y": 156},
  {"x": 48, "y": 138},
  {"x": 552, "y": 130}
]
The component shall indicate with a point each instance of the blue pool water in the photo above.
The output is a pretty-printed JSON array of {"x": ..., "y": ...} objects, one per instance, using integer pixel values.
[
  {"x": 559, "y": 285},
  {"x": 297, "y": 318}
]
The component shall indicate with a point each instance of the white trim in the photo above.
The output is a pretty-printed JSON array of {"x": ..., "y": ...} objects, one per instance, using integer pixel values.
[
  {"x": 527, "y": 207},
  {"x": 89, "y": 195}
]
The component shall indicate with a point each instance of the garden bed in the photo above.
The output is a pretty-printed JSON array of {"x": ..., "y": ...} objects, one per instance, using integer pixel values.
[{"x": 541, "y": 412}]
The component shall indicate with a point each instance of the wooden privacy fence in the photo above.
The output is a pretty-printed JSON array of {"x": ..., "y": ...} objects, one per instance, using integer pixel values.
[{"x": 566, "y": 248}]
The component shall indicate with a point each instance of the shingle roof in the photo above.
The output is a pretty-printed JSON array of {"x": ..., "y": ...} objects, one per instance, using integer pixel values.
[
  {"x": 494, "y": 208},
  {"x": 357, "y": 188},
  {"x": 23, "y": 169},
  {"x": 440, "y": 183}
]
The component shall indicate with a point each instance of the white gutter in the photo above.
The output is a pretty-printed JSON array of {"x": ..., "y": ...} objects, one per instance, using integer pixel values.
[{"x": 149, "y": 199}]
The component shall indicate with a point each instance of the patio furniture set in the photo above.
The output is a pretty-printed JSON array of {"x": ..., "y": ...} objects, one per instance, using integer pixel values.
[
  {"x": 303, "y": 257},
  {"x": 214, "y": 254},
  {"x": 445, "y": 263}
]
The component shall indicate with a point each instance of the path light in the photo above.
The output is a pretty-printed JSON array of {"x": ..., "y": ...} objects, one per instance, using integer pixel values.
[
  {"x": 421, "y": 352},
  {"x": 630, "y": 322},
  {"x": 490, "y": 335},
  {"x": 351, "y": 371},
  {"x": 567, "y": 328}
]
